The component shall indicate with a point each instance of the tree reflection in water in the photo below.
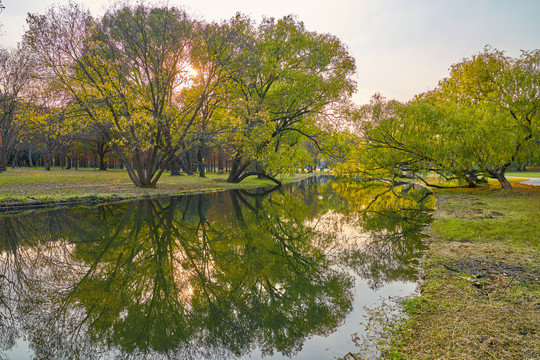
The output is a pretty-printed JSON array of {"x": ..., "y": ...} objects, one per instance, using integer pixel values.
[
  {"x": 394, "y": 219},
  {"x": 202, "y": 276}
]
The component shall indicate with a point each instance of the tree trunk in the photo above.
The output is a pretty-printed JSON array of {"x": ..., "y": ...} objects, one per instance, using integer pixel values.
[
  {"x": 30, "y": 164},
  {"x": 102, "y": 148},
  {"x": 68, "y": 162},
  {"x": 499, "y": 175},
  {"x": 221, "y": 162},
  {"x": 14, "y": 160},
  {"x": 260, "y": 175},
  {"x": 101, "y": 156},
  {"x": 200, "y": 161},
  {"x": 471, "y": 178},
  {"x": 505, "y": 184},
  {"x": 3, "y": 156},
  {"x": 47, "y": 159},
  {"x": 237, "y": 169},
  {"x": 175, "y": 167},
  {"x": 185, "y": 163}
]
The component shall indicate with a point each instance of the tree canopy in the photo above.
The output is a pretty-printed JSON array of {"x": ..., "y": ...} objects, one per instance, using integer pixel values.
[
  {"x": 162, "y": 90},
  {"x": 158, "y": 83},
  {"x": 283, "y": 79},
  {"x": 478, "y": 121}
]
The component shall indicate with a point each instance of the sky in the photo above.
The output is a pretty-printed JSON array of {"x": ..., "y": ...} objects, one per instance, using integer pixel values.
[{"x": 401, "y": 47}]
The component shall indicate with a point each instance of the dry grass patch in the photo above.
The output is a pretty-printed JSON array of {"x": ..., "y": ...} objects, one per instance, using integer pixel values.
[{"x": 469, "y": 318}]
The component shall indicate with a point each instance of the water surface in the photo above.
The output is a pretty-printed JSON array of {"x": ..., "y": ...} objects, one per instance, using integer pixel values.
[{"x": 230, "y": 275}]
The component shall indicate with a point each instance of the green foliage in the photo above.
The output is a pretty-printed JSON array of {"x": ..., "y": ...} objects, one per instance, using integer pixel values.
[
  {"x": 282, "y": 81},
  {"x": 156, "y": 84},
  {"x": 477, "y": 122},
  {"x": 397, "y": 140}
]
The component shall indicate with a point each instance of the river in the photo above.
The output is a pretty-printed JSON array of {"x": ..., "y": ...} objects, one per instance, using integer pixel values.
[{"x": 244, "y": 274}]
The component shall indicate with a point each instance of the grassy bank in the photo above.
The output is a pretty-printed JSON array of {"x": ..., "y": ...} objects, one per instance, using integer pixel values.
[
  {"x": 480, "y": 296},
  {"x": 32, "y": 187}
]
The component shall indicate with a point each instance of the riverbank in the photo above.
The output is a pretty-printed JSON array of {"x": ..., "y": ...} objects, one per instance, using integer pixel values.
[
  {"x": 33, "y": 188},
  {"x": 480, "y": 294}
]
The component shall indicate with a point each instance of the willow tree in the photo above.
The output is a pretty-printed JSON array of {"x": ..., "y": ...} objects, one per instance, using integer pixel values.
[
  {"x": 500, "y": 97},
  {"x": 282, "y": 80},
  {"x": 126, "y": 71},
  {"x": 479, "y": 121}
]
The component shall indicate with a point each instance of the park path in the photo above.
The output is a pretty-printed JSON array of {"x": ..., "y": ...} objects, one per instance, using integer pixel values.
[{"x": 532, "y": 180}]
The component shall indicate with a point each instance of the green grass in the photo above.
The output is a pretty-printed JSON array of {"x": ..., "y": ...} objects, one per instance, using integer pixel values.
[
  {"x": 523, "y": 174},
  {"x": 481, "y": 289},
  {"x": 31, "y": 185},
  {"x": 489, "y": 216}
]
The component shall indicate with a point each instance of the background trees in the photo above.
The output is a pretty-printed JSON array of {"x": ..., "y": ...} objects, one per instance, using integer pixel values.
[{"x": 14, "y": 75}]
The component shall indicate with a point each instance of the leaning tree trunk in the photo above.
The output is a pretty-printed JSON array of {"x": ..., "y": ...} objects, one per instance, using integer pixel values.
[
  {"x": 471, "y": 178},
  {"x": 499, "y": 175},
  {"x": 504, "y": 182},
  {"x": 238, "y": 172},
  {"x": 237, "y": 169}
]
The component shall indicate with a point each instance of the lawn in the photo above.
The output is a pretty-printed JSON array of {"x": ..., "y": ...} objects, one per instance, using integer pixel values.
[
  {"x": 523, "y": 174},
  {"x": 480, "y": 294},
  {"x": 34, "y": 185}
]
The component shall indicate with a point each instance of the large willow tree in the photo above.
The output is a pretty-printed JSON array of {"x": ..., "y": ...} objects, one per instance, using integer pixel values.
[
  {"x": 282, "y": 80},
  {"x": 127, "y": 72},
  {"x": 497, "y": 99}
]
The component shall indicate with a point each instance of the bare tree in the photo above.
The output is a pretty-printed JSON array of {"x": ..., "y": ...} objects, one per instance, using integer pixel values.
[{"x": 14, "y": 74}]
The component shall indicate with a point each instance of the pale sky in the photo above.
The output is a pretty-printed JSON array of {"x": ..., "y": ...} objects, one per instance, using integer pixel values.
[{"x": 402, "y": 47}]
